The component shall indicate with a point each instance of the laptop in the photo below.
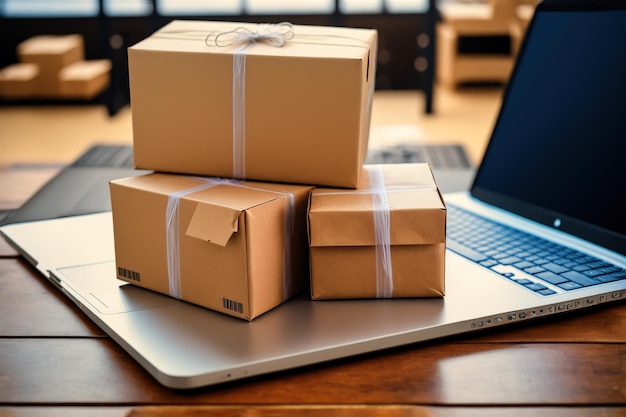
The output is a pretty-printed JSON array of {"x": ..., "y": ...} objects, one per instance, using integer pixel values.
[
  {"x": 450, "y": 163},
  {"x": 549, "y": 193},
  {"x": 82, "y": 187}
]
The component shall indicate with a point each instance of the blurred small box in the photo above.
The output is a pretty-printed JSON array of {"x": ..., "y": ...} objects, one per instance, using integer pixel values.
[
  {"x": 18, "y": 81},
  {"x": 85, "y": 79}
]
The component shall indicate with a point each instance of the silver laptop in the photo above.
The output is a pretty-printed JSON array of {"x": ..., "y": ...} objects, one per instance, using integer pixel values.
[{"x": 551, "y": 178}]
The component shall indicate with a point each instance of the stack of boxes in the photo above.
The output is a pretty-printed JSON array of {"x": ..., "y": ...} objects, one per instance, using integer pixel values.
[
  {"x": 53, "y": 67},
  {"x": 258, "y": 135}
]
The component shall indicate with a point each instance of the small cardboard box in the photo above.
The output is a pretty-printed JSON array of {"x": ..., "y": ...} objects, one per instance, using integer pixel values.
[
  {"x": 384, "y": 240},
  {"x": 17, "y": 81},
  {"x": 204, "y": 104},
  {"x": 51, "y": 53},
  {"x": 235, "y": 247},
  {"x": 85, "y": 79}
]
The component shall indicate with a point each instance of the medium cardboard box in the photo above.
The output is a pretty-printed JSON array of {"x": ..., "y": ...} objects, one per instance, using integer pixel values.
[
  {"x": 85, "y": 79},
  {"x": 384, "y": 240},
  {"x": 235, "y": 247},
  {"x": 51, "y": 53},
  {"x": 204, "y": 104}
]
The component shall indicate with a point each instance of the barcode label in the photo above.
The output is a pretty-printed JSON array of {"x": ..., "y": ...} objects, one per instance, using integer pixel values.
[
  {"x": 232, "y": 305},
  {"x": 127, "y": 273}
]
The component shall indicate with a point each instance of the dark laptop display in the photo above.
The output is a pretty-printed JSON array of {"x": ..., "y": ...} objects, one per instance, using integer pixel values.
[{"x": 546, "y": 121}]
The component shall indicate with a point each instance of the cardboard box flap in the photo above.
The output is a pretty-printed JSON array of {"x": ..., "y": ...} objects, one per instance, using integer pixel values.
[
  {"x": 237, "y": 195},
  {"x": 213, "y": 223},
  {"x": 417, "y": 213},
  {"x": 240, "y": 197},
  {"x": 357, "y": 228},
  {"x": 401, "y": 175},
  {"x": 159, "y": 183}
]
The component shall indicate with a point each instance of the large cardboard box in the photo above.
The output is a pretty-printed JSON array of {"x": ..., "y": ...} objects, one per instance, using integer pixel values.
[
  {"x": 51, "y": 53},
  {"x": 235, "y": 247},
  {"x": 203, "y": 103},
  {"x": 384, "y": 240}
]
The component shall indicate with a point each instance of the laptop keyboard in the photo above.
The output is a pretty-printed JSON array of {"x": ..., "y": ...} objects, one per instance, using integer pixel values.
[
  {"x": 106, "y": 156},
  {"x": 438, "y": 156},
  {"x": 537, "y": 264}
]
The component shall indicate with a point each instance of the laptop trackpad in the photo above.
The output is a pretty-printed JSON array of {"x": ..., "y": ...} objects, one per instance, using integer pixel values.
[{"x": 98, "y": 285}]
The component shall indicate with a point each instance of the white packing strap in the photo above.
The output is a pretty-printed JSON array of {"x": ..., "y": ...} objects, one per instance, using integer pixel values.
[
  {"x": 172, "y": 231},
  {"x": 239, "y": 112},
  {"x": 272, "y": 34},
  {"x": 382, "y": 228},
  {"x": 382, "y": 223}
]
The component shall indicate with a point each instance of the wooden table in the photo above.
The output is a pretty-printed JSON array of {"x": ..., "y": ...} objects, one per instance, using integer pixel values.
[{"x": 55, "y": 362}]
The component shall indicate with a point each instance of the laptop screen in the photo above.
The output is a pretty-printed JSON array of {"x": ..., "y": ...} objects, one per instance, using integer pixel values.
[{"x": 558, "y": 150}]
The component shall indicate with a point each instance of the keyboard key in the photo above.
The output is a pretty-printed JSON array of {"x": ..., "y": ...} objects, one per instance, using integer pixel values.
[
  {"x": 465, "y": 251},
  {"x": 536, "y": 287},
  {"x": 551, "y": 277},
  {"x": 598, "y": 264},
  {"x": 488, "y": 263},
  {"x": 557, "y": 269},
  {"x": 534, "y": 270},
  {"x": 509, "y": 260},
  {"x": 601, "y": 271},
  {"x": 569, "y": 285},
  {"x": 523, "y": 265},
  {"x": 616, "y": 276},
  {"x": 579, "y": 278}
]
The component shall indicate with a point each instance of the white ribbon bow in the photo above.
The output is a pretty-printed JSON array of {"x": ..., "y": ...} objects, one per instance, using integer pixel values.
[{"x": 273, "y": 34}]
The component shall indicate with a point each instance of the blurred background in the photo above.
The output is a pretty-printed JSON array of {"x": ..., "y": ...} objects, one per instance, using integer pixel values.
[{"x": 441, "y": 67}]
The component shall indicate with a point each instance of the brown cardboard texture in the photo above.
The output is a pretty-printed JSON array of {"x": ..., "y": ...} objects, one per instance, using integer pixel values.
[
  {"x": 228, "y": 249},
  {"x": 18, "y": 81},
  {"x": 344, "y": 249},
  {"x": 299, "y": 113},
  {"x": 85, "y": 79}
]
